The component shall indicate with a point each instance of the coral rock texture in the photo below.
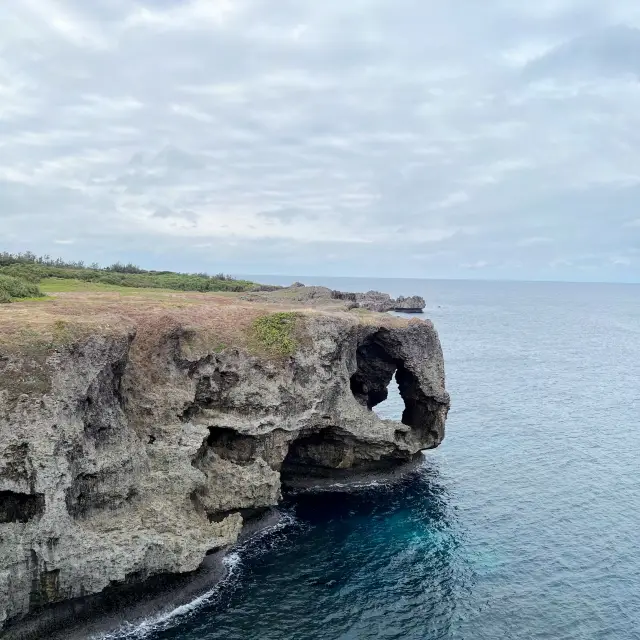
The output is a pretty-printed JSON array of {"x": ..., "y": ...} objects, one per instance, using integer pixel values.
[{"x": 134, "y": 450}]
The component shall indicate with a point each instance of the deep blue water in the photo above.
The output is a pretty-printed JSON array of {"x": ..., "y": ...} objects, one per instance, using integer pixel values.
[{"x": 524, "y": 524}]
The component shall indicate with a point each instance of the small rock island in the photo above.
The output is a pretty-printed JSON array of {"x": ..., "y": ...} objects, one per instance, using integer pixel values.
[{"x": 138, "y": 433}]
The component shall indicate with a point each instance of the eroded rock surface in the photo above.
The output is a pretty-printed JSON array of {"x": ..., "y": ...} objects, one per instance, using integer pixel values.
[
  {"x": 371, "y": 300},
  {"x": 411, "y": 304},
  {"x": 377, "y": 301},
  {"x": 132, "y": 453}
]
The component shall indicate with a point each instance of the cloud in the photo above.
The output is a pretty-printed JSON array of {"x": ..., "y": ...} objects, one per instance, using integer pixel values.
[
  {"x": 623, "y": 261},
  {"x": 191, "y": 112},
  {"x": 601, "y": 52},
  {"x": 60, "y": 22},
  {"x": 480, "y": 264},
  {"x": 534, "y": 240},
  {"x": 190, "y": 14},
  {"x": 166, "y": 213},
  {"x": 457, "y": 139}
]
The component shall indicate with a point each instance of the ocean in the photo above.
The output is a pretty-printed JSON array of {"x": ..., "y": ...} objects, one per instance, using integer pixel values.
[{"x": 524, "y": 524}]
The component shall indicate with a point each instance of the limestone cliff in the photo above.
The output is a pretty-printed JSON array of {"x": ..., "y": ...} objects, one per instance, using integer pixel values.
[{"x": 132, "y": 444}]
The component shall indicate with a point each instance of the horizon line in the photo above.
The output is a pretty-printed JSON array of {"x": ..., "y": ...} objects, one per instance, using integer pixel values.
[{"x": 441, "y": 279}]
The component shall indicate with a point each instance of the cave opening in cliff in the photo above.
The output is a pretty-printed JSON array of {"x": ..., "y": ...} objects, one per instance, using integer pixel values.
[
  {"x": 311, "y": 453},
  {"x": 20, "y": 507},
  {"x": 375, "y": 383},
  {"x": 379, "y": 362}
]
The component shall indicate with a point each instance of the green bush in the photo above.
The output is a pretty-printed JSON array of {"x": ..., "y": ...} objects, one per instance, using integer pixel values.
[
  {"x": 32, "y": 269},
  {"x": 12, "y": 288},
  {"x": 275, "y": 333},
  {"x": 124, "y": 268},
  {"x": 28, "y": 272}
]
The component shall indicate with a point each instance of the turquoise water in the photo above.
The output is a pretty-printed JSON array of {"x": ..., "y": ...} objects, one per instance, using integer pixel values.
[{"x": 524, "y": 524}]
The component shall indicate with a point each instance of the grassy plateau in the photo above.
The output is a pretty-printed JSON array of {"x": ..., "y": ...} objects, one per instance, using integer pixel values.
[{"x": 25, "y": 275}]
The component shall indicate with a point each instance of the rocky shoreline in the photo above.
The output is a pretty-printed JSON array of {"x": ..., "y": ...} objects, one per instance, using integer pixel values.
[
  {"x": 107, "y": 612},
  {"x": 152, "y": 603},
  {"x": 314, "y": 295},
  {"x": 157, "y": 602},
  {"x": 138, "y": 441}
]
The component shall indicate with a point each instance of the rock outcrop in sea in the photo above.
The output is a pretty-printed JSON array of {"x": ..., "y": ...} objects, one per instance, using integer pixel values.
[
  {"x": 410, "y": 304},
  {"x": 377, "y": 301},
  {"x": 371, "y": 300},
  {"x": 135, "y": 441}
]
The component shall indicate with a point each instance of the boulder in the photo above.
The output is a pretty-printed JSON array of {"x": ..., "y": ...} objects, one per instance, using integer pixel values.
[{"x": 412, "y": 304}]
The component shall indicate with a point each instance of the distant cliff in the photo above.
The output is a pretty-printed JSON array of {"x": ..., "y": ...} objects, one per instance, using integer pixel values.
[
  {"x": 137, "y": 434},
  {"x": 371, "y": 300}
]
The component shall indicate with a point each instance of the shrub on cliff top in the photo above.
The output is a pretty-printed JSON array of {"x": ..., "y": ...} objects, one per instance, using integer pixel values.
[
  {"x": 35, "y": 268},
  {"x": 15, "y": 288},
  {"x": 275, "y": 333},
  {"x": 145, "y": 280}
]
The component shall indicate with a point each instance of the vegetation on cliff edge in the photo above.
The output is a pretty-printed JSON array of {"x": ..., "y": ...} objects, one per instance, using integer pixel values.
[
  {"x": 34, "y": 269},
  {"x": 275, "y": 333},
  {"x": 13, "y": 288}
]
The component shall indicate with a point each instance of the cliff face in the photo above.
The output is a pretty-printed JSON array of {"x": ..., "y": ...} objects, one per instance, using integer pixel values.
[{"x": 133, "y": 449}]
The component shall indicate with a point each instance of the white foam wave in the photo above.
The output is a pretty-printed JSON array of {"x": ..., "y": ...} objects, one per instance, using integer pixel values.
[
  {"x": 353, "y": 485},
  {"x": 168, "y": 619},
  {"x": 263, "y": 540}
]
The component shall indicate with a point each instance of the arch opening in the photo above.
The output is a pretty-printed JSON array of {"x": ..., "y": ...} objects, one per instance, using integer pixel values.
[
  {"x": 376, "y": 384},
  {"x": 378, "y": 363},
  {"x": 393, "y": 406}
]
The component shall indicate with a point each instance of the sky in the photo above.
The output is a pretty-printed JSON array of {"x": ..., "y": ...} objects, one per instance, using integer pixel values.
[{"x": 403, "y": 138}]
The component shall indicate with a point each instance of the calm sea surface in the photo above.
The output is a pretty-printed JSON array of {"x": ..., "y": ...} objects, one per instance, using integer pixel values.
[{"x": 524, "y": 524}]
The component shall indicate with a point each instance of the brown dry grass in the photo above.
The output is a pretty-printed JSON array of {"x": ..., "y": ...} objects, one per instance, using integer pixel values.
[
  {"x": 31, "y": 331},
  {"x": 197, "y": 324},
  {"x": 224, "y": 318},
  {"x": 113, "y": 311}
]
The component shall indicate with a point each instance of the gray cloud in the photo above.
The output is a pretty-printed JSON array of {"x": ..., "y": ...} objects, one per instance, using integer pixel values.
[
  {"x": 493, "y": 139},
  {"x": 166, "y": 213},
  {"x": 610, "y": 50}
]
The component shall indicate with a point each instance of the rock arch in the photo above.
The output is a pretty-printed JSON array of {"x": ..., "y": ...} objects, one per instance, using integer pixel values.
[
  {"x": 379, "y": 358},
  {"x": 379, "y": 355}
]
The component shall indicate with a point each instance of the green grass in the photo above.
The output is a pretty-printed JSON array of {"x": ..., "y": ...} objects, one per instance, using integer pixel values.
[
  {"x": 36, "y": 273},
  {"x": 275, "y": 333},
  {"x": 61, "y": 285},
  {"x": 12, "y": 288}
]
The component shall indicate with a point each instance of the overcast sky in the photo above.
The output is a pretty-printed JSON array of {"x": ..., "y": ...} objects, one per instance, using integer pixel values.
[{"x": 418, "y": 138}]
